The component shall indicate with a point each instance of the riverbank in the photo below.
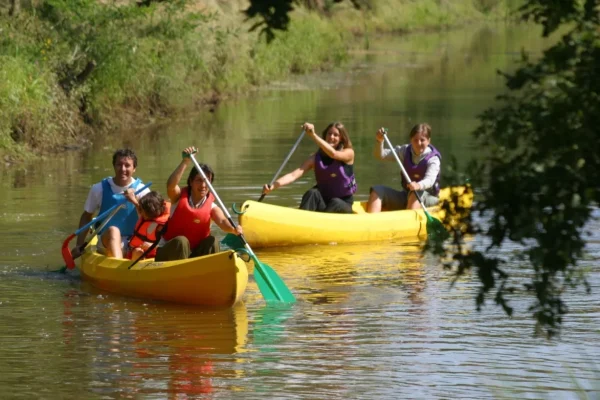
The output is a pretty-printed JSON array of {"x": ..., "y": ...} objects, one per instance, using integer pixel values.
[{"x": 70, "y": 71}]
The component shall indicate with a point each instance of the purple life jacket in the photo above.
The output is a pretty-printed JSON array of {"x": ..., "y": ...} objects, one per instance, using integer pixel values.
[
  {"x": 334, "y": 180},
  {"x": 417, "y": 172}
]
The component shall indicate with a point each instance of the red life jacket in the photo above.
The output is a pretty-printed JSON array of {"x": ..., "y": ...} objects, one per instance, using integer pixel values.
[
  {"x": 193, "y": 223},
  {"x": 141, "y": 234}
]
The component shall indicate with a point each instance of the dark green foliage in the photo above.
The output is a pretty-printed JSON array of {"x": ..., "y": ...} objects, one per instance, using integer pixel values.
[
  {"x": 274, "y": 14},
  {"x": 542, "y": 167}
]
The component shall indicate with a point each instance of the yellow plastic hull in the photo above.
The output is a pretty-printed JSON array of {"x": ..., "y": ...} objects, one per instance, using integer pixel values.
[
  {"x": 215, "y": 280},
  {"x": 267, "y": 225}
]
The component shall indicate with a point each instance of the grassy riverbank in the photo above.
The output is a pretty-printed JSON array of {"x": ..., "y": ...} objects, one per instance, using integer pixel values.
[{"x": 71, "y": 69}]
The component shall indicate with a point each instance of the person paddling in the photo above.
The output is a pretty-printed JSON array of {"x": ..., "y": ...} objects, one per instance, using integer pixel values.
[
  {"x": 114, "y": 236},
  {"x": 422, "y": 163},
  {"x": 193, "y": 207},
  {"x": 334, "y": 172}
]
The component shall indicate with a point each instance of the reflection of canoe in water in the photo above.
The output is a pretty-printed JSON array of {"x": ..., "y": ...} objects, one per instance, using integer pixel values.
[
  {"x": 214, "y": 280},
  {"x": 267, "y": 225},
  {"x": 169, "y": 351}
]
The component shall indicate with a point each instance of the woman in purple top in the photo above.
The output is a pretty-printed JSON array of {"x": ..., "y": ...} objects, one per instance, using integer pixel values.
[
  {"x": 422, "y": 164},
  {"x": 334, "y": 171}
]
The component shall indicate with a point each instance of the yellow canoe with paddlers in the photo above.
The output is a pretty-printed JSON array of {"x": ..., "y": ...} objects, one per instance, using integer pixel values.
[
  {"x": 214, "y": 280},
  {"x": 267, "y": 225}
]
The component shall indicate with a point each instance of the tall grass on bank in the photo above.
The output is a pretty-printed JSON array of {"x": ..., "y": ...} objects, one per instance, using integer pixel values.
[
  {"x": 143, "y": 61},
  {"x": 72, "y": 67},
  {"x": 385, "y": 16}
]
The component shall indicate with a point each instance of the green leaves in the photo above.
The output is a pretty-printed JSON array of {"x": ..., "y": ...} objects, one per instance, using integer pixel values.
[{"x": 542, "y": 169}]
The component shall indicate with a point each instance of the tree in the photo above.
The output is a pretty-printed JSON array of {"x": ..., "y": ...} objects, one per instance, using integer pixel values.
[
  {"x": 15, "y": 7},
  {"x": 542, "y": 167}
]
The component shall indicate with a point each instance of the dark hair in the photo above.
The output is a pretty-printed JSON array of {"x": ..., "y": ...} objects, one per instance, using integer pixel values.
[
  {"x": 207, "y": 171},
  {"x": 345, "y": 142},
  {"x": 153, "y": 204},
  {"x": 125, "y": 153},
  {"x": 421, "y": 128}
]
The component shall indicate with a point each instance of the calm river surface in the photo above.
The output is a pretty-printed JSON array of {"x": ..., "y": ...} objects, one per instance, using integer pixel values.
[{"x": 371, "y": 321}]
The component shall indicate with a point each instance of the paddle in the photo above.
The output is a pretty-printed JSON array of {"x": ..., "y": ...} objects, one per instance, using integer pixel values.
[
  {"x": 287, "y": 158},
  {"x": 108, "y": 214},
  {"x": 269, "y": 283},
  {"x": 435, "y": 228}
]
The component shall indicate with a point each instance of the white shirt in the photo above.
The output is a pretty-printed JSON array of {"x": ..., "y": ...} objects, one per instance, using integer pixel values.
[{"x": 94, "y": 199}]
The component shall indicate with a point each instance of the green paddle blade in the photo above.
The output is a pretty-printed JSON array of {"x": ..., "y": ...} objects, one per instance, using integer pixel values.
[
  {"x": 435, "y": 228},
  {"x": 270, "y": 284},
  {"x": 233, "y": 241}
]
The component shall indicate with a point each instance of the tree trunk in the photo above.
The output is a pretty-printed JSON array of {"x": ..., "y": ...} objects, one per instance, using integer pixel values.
[{"x": 15, "y": 7}]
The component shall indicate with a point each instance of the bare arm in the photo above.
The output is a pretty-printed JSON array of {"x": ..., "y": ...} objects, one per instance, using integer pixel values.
[
  {"x": 292, "y": 176},
  {"x": 173, "y": 189},
  {"x": 344, "y": 155},
  {"x": 133, "y": 199},
  {"x": 221, "y": 220}
]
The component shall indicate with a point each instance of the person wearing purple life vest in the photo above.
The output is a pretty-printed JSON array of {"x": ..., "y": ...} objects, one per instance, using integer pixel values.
[
  {"x": 422, "y": 163},
  {"x": 334, "y": 172}
]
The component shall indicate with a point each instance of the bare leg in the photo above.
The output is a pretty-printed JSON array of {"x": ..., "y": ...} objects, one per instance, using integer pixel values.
[
  {"x": 374, "y": 203},
  {"x": 111, "y": 239},
  {"x": 413, "y": 202},
  {"x": 136, "y": 253}
]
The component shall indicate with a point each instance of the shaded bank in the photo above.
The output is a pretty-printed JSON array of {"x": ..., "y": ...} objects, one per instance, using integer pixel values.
[{"x": 71, "y": 69}]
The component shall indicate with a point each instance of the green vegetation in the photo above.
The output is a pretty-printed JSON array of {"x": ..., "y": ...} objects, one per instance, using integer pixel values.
[
  {"x": 542, "y": 168},
  {"x": 72, "y": 68}
]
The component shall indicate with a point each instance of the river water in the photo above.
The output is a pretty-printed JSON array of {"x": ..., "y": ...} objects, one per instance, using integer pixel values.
[{"x": 371, "y": 321}]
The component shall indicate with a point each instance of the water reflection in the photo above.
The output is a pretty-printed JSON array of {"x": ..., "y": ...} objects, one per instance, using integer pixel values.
[
  {"x": 371, "y": 321},
  {"x": 153, "y": 349}
]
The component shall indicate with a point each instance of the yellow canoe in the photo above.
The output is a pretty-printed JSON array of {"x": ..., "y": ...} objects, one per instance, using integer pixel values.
[
  {"x": 267, "y": 225},
  {"x": 215, "y": 280}
]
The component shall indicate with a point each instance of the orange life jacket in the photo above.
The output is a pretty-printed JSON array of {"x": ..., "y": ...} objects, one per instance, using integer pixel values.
[
  {"x": 193, "y": 223},
  {"x": 141, "y": 232}
]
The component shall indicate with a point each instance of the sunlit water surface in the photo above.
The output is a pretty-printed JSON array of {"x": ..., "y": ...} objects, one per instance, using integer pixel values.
[{"x": 371, "y": 321}]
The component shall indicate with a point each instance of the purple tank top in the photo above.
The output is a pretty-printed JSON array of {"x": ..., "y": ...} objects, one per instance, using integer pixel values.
[
  {"x": 416, "y": 172},
  {"x": 334, "y": 180}
]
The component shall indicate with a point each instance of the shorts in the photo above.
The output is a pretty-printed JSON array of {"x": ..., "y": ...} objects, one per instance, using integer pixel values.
[{"x": 392, "y": 199}]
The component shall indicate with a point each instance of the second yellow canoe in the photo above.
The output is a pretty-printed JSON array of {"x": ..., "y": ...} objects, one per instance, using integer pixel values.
[{"x": 267, "y": 225}]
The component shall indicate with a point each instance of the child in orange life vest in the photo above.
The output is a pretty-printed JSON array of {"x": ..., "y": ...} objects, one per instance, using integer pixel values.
[{"x": 153, "y": 214}]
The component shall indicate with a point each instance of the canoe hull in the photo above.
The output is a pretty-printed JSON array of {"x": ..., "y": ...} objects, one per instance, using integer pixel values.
[
  {"x": 268, "y": 225},
  {"x": 215, "y": 280}
]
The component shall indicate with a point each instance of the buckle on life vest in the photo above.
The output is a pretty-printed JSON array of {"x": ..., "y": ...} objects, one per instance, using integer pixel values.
[{"x": 352, "y": 184}]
